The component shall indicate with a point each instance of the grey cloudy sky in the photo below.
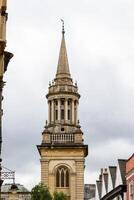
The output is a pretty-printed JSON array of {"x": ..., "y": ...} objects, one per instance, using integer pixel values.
[{"x": 100, "y": 45}]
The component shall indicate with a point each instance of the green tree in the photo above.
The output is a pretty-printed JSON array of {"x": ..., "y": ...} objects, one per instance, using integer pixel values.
[
  {"x": 40, "y": 192},
  {"x": 59, "y": 196}
]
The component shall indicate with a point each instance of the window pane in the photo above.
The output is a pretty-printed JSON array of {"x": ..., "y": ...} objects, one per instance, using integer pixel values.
[
  {"x": 62, "y": 178},
  {"x": 67, "y": 178},
  {"x": 57, "y": 178}
]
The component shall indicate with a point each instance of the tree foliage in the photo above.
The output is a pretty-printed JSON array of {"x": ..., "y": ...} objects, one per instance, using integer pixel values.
[
  {"x": 59, "y": 196},
  {"x": 40, "y": 192}
]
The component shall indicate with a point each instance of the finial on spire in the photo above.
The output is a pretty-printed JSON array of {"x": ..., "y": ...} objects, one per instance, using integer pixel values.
[{"x": 63, "y": 30}]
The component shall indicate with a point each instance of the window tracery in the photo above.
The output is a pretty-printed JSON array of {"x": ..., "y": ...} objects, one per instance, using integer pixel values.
[{"x": 62, "y": 177}]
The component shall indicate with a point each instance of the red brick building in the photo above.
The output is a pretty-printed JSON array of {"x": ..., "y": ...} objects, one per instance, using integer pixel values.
[{"x": 130, "y": 178}]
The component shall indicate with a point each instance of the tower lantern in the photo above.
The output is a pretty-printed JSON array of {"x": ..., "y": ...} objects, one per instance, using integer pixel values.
[{"x": 62, "y": 149}]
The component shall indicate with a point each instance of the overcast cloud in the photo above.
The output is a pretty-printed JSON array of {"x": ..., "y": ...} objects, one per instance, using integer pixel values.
[{"x": 100, "y": 45}]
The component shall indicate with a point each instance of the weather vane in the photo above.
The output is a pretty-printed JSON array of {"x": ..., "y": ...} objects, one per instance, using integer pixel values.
[{"x": 63, "y": 31}]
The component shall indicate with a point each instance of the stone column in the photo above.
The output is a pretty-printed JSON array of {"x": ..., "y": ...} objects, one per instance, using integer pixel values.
[
  {"x": 66, "y": 109},
  {"x": 52, "y": 111},
  {"x": 3, "y": 3},
  {"x": 73, "y": 111},
  {"x": 49, "y": 112},
  {"x": 3, "y": 19},
  {"x": 76, "y": 112},
  {"x": 59, "y": 118}
]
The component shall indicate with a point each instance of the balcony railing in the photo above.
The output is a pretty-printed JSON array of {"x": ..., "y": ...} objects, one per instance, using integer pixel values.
[{"x": 62, "y": 138}]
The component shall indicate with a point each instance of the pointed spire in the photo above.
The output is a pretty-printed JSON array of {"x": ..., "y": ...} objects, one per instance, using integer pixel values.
[
  {"x": 63, "y": 66},
  {"x": 63, "y": 30}
]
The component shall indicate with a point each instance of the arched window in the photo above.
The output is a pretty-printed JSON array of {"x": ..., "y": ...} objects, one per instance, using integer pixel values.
[{"x": 62, "y": 177}]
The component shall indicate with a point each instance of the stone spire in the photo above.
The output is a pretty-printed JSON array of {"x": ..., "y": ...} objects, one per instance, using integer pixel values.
[
  {"x": 62, "y": 149},
  {"x": 63, "y": 66}
]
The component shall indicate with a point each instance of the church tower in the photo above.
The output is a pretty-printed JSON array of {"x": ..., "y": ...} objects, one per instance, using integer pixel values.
[{"x": 62, "y": 150}]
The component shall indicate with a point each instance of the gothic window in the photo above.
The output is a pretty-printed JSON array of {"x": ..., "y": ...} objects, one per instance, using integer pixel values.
[
  {"x": 62, "y": 114},
  {"x": 62, "y": 177}
]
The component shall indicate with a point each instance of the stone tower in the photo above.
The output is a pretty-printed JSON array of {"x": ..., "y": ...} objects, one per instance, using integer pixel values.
[
  {"x": 62, "y": 149},
  {"x": 4, "y": 60}
]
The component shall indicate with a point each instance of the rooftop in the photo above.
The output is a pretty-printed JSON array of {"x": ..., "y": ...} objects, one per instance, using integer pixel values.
[{"x": 9, "y": 187}]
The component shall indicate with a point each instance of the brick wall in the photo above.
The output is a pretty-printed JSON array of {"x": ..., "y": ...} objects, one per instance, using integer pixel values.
[{"x": 130, "y": 178}]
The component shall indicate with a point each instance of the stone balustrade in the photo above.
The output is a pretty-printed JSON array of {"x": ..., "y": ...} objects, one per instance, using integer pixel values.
[{"x": 62, "y": 138}]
